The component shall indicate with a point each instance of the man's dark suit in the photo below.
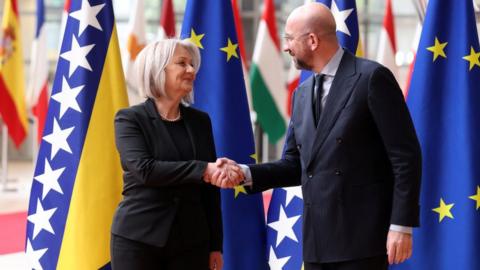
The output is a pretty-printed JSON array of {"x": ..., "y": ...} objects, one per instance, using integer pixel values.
[
  {"x": 359, "y": 170},
  {"x": 160, "y": 191}
]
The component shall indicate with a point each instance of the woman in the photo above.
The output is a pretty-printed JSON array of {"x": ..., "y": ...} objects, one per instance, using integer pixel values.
[{"x": 169, "y": 217}]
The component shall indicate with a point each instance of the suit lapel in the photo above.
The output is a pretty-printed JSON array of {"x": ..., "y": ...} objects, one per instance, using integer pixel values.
[
  {"x": 304, "y": 122},
  {"x": 341, "y": 89}
]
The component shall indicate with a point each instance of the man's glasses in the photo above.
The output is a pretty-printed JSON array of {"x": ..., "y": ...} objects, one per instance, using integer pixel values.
[{"x": 289, "y": 38}]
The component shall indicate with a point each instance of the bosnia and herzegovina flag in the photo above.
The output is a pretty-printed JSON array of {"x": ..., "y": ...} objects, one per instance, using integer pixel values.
[
  {"x": 77, "y": 180},
  {"x": 220, "y": 91},
  {"x": 348, "y": 34},
  {"x": 444, "y": 100},
  {"x": 346, "y": 18}
]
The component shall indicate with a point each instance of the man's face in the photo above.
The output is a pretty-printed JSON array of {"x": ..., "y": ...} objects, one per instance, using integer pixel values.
[{"x": 295, "y": 44}]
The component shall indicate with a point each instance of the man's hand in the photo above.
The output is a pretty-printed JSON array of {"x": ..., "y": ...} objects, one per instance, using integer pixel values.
[
  {"x": 399, "y": 247},
  {"x": 216, "y": 260}
]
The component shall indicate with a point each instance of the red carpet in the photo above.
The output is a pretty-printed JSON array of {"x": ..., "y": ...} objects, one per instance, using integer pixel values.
[
  {"x": 12, "y": 232},
  {"x": 13, "y": 227},
  {"x": 267, "y": 197}
]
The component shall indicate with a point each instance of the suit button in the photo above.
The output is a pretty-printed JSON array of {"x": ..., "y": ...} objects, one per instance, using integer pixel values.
[
  {"x": 299, "y": 146},
  {"x": 310, "y": 175},
  {"x": 339, "y": 140},
  {"x": 338, "y": 172}
]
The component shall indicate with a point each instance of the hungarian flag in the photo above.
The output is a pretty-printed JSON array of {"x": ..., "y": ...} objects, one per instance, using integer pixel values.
[
  {"x": 268, "y": 85},
  {"x": 13, "y": 109}
]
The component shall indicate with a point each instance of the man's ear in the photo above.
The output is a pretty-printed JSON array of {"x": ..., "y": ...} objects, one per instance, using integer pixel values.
[{"x": 313, "y": 41}]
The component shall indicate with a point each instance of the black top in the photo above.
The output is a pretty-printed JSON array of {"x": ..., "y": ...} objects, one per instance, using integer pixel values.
[{"x": 180, "y": 138}]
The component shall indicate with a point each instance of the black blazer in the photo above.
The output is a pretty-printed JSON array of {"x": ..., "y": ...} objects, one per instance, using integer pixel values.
[
  {"x": 160, "y": 191},
  {"x": 360, "y": 169}
]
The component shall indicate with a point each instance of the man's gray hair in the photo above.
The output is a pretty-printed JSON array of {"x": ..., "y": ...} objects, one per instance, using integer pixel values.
[{"x": 151, "y": 62}]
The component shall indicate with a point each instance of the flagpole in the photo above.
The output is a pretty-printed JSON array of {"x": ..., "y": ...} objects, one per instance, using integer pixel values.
[
  {"x": 4, "y": 171},
  {"x": 35, "y": 145},
  {"x": 420, "y": 7}
]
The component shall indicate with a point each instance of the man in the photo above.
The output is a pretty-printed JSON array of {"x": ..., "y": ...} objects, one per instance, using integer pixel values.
[{"x": 352, "y": 146}]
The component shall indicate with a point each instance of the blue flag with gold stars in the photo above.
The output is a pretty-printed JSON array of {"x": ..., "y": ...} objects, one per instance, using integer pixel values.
[
  {"x": 444, "y": 102},
  {"x": 220, "y": 91}
]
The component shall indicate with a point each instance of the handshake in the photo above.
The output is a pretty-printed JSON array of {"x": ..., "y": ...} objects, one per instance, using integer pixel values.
[{"x": 224, "y": 173}]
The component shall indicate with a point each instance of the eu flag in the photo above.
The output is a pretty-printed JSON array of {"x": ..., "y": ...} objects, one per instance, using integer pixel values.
[
  {"x": 444, "y": 102},
  {"x": 284, "y": 220},
  {"x": 220, "y": 91},
  {"x": 77, "y": 180}
]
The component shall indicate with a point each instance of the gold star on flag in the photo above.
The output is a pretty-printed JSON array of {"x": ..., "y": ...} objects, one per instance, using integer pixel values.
[
  {"x": 473, "y": 58},
  {"x": 196, "y": 39},
  {"x": 476, "y": 197},
  {"x": 255, "y": 157},
  {"x": 239, "y": 189},
  {"x": 438, "y": 49},
  {"x": 231, "y": 49},
  {"x": 443, "y": 210}
]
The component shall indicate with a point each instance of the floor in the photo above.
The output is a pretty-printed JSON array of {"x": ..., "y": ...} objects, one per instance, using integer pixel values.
[
  {"x": 13, "y": 206},
  {"x": 14, "y": 197}
]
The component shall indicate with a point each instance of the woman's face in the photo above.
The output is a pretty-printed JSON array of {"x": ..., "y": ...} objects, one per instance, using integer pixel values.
[{"x": 179, "y": 74}]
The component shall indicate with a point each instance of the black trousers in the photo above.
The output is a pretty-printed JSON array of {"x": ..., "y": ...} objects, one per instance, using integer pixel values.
[
  {"x": 373, "y": 263},
  {"x": 128, "y": 254}
]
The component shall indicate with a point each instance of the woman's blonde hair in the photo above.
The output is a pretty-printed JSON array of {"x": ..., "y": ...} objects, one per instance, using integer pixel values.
[{"x": 151, "y": 62}]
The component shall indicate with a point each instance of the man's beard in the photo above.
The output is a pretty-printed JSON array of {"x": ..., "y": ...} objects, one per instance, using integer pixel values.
[{"x": 300, "y": 64}]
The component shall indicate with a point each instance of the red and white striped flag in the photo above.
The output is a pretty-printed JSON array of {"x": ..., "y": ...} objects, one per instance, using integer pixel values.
[
  {"x": 136, "y": 40},
  {"x": 167, "y": 20},
  {"x": 243, "y": 55},
  {"x": 387, "y": 44},
  {"x": 293, "y": 79},
  {"x": 416, "y": 41},
  {"x": 38, "y": 88}
]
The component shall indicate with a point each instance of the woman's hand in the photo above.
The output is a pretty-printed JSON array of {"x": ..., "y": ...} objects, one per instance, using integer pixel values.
[{"x": 216, "y": 260}]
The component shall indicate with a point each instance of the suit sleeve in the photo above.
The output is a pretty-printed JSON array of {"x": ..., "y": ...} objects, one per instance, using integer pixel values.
[
  {"x": 281, "y": 173},
  {"x": 396, "y": 128},
  {"x": 137, "y": 159},
  {"x": 211, "y": 198}
]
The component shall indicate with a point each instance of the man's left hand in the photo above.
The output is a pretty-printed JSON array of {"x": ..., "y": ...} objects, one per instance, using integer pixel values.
[{"x": 399, "y": 247}]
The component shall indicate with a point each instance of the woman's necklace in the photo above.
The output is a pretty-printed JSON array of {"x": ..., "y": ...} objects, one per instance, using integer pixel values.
[{"x": 171, "y": 119}]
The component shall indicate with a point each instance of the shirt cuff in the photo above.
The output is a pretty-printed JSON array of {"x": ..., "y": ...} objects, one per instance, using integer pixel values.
[
  {"x": 247, "y": 174},
  {"x": 402, "y": 229}
]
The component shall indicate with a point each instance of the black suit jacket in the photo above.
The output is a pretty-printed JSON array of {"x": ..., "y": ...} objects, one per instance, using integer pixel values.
[
  {"x": 159, "y": 190},
  {"x": 360, "y": 169}
]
